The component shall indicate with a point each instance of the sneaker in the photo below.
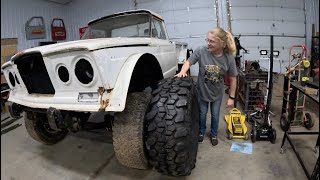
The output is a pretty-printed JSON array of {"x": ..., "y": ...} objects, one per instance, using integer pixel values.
[
  {"x": 200, "y": 138},
  {"x": 214, "y": 140}
]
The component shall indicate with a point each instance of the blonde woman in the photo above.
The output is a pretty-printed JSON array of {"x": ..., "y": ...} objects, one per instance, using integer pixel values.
[{"x": 215, "y": 60}]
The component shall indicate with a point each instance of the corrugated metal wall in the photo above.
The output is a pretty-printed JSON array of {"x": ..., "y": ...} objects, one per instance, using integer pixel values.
[
  {"x": 189, "y": 21},
  {"x": 15, "y": 13},
  {"x": 80, "y": 12},
  {"x": 285, "y": 19},
  {"x": 186, "y": 20}
]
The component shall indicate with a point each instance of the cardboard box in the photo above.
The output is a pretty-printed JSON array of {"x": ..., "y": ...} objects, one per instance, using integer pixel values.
[
  {"x": 8, "y": 49},
  {"x": 9, "y": 41},
  {"x": 3, "y": 79}
]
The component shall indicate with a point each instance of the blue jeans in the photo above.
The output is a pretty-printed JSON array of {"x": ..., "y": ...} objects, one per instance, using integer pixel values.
[{"x": 215, "y": 112}]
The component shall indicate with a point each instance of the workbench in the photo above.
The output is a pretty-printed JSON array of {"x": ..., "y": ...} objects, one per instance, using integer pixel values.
[{"x": 315, "y": 173}]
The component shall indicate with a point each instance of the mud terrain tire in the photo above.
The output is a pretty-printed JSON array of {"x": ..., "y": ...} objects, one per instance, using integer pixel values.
[
  {"x": 128, "y": 132},
  {"x": 172, "y": 127}
]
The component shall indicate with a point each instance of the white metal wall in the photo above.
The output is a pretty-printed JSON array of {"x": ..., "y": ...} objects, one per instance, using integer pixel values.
[
  {"x": 312, "y": 12},
  {"x": 255, "y": 20},
  {"x": 186, "y": 20},
  {"x": 15, "y": 13},
  {"x": 80, "y": 12}
]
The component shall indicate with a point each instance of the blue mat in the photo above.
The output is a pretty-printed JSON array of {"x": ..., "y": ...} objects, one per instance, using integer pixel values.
[{"x": 245, "y": 148}]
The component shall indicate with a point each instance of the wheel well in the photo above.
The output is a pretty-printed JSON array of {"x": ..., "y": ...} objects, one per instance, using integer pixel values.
[{"x": 147, "y": 72}]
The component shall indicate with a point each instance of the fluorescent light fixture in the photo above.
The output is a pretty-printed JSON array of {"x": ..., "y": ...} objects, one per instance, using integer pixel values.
[
  {"x": 276, "y": 53},
  {"x": 263, "y": 52}
]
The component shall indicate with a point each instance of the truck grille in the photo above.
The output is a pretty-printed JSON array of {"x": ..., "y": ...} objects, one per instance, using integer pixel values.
[{"x": 34, "y": 74}]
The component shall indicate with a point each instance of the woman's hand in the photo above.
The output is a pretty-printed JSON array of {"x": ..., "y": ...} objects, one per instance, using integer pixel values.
[
  {"x": 184, "y": 69},
  {"x": 181, "y": 74},
  {"x": 230, "y": 103}
]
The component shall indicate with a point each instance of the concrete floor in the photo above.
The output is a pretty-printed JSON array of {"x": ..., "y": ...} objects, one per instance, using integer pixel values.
[{"x": 88, "y": 155}]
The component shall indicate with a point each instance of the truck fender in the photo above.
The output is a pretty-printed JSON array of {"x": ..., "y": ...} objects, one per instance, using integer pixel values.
[{"x": 119, "y": 93}]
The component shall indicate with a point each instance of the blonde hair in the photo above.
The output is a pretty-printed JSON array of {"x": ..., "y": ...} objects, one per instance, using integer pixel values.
[{"x": 227, "y": 38}]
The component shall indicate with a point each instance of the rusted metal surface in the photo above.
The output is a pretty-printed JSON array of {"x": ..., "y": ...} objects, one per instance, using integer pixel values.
[{"x": 104, "y": 99}]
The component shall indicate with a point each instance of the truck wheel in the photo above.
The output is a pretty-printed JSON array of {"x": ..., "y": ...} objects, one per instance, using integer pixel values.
[
  {"x": 38, "y": 128},
  {"x": 229, "y": 135},
  {"x": 308, "y": 121},
  {"x": 173, "y": 127},
  {"x": 128, "y": 131},
  {"x": 246, "y": 136},
  {"x": 273, "y": 135},
  {"x": 254, "y": 134},
  {"x": 284, "y": 122}
]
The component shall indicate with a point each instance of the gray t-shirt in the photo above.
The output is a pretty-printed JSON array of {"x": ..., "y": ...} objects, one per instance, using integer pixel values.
[{"x": 212, "y": 69}]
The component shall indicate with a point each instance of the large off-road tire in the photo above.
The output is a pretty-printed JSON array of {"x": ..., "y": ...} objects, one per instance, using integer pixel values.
[
  {"x": 38, "y": 128},
  {"x": 128, "y": 131},
  {"x": 173, "y": 127}
]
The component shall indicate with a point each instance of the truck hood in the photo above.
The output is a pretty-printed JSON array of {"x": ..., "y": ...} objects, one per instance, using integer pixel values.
[{"x": 85, "y": 45}]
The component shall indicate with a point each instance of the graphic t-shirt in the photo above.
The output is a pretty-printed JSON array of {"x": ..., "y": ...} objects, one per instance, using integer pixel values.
[{"x": 212, "y": 69}]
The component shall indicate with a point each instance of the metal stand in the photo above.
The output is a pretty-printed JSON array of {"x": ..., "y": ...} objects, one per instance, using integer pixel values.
[{"x": 315, "y": 172}]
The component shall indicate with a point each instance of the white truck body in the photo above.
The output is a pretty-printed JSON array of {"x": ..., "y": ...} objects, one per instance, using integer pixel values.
[{"x": 112, "y": 59}]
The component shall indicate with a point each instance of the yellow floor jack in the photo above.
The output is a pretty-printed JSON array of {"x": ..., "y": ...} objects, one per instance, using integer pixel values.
[{"x": 237, "y": 128}]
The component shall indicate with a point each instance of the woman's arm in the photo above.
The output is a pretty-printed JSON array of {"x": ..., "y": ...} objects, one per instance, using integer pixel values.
[{"x": 232, "y": 92}]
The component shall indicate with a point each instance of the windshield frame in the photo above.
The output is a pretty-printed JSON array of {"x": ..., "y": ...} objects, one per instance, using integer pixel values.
[{"x": 103, "y": 20}]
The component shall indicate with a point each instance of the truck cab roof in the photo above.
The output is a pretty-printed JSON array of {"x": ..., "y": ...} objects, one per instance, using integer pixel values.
[{"x": 126, "y": 13}]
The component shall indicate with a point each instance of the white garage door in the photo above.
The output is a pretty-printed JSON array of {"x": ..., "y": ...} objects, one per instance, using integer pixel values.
[
  {"x": 188, "y": 21},
  {"x": 256, "y": 20}
]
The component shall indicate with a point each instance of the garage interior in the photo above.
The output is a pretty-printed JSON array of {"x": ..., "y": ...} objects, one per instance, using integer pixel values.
[{"x": 291, "y": 24}]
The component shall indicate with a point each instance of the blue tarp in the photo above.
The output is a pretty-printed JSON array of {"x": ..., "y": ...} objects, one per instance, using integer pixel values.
[{"x": 245, "y": 148}]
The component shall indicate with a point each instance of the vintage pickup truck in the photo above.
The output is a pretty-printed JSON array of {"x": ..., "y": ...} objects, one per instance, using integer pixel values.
[{"x": 123, "y": 66}]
